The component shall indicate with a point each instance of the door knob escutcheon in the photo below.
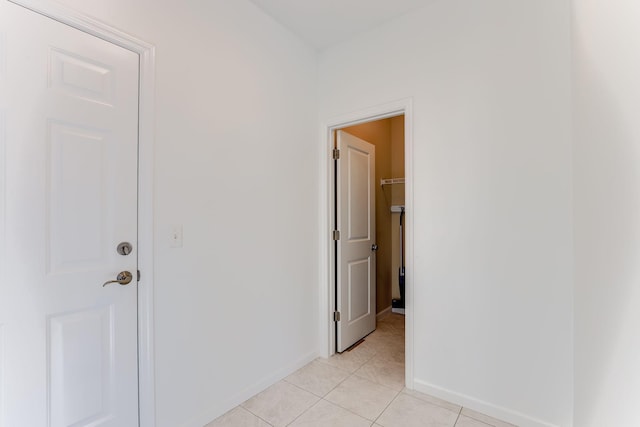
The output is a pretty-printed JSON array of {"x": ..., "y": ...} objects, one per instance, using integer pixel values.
[{"x": 124, "y": 248}]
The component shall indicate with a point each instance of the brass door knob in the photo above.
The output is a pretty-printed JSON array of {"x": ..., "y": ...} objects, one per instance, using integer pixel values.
[{"x": 123, "y": 278}]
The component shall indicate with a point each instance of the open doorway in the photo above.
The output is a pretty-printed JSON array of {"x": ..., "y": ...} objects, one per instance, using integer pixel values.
[
  {"x": 387, "y": 136},
  {"x": 327, "y": 302},
  {"x": 368, "y": 245},
  {"x": 388, "y": 128}
]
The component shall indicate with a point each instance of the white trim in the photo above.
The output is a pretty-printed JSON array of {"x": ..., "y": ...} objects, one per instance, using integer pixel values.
[
  {"x": 218, "y": 408},
  {"x": 87, "y": 24},
  {"x": 383, "y": 111},
  {"x": 146, "y": 103},
  {"x": 146, "y": 353},
  {"x": 408, "y": 241},
  {"x": 384, "y": 313},
  {"x": 481, "y": 406},
  {"x": 3, "y": 230}
]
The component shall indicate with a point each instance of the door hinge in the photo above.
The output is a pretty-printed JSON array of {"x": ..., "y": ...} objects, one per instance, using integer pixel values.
[
  {"x": 336, "y": 154},
  {"x": 336, "y": 316},
  {"x": 336, "y": 234},
  {"x": 138, "y": 275}
]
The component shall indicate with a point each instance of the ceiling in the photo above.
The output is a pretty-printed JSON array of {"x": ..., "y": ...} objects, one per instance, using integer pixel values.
[{"x": 323, "y": 23}]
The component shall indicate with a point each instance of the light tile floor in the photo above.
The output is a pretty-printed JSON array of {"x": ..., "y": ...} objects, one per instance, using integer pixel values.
[{"x": 362, "y": 387}]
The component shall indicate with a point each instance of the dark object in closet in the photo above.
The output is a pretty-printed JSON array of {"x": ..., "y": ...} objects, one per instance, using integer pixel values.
[{"x": 400, "y": 303}]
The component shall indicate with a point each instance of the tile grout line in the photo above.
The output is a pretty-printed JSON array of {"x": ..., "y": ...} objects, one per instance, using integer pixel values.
[
  {"x": 336, "y": 386},
  {"x": 476, "y": 418},
  {"x": 300, "y": 388},
  {"x": 353, "y": 374},
  {"x": 323, "y": 396},
  {"x": 349, "y": 410},
  {"x": 457, "y": 418},
  {"x": 305, "y": 411},
  {"x": 255, "y": 415},
  {"x": 375, "y": 351},
  {"x": 307, "y": 391},
  {"x": 387, "y": 407},
  {"x": 374, "y": 382}
]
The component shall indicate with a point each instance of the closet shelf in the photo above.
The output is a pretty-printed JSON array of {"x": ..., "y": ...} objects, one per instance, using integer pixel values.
[{"x": 391, "y": 181}]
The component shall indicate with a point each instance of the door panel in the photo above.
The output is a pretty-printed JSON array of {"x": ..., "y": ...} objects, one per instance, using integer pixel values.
[
  {"x": 359, "y": 196},
  {"x": 68, "y": 345},
  {"x": 76, "y": 199},
  {"x": 82, "y": 384},
  {"x": 359, "y": 283},
  {"x": 356, "y": 264},
  {"x": 81, "y": 77}
]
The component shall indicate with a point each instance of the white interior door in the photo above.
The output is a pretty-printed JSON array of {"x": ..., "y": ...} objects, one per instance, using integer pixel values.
[
  {"x": 68, "y": 188},
  {"x": 356, "y": 262}
]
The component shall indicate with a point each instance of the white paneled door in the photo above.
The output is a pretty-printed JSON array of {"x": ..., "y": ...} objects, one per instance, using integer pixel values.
[
  {"x": 68, "y": 198},
  {"x": 356, "y": 266}
]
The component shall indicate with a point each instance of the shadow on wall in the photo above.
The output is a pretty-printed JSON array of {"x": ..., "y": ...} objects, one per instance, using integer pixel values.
[{"x": 607, "y": 249}]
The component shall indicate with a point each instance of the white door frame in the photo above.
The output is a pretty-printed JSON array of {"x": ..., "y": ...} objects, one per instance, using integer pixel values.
[
  {"x": 146, "y": 52},
  {"x": 327, "y": 251}
]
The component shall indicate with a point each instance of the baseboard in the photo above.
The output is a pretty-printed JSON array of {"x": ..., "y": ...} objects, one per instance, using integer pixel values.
[
  {"x": 478, "y": 405},
  {"x": 221, "y": 408},
  {"x": 384, "y": 313}
]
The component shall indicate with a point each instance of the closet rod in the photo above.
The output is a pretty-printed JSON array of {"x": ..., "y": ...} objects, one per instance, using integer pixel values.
[{"x": 391, "y": 181}]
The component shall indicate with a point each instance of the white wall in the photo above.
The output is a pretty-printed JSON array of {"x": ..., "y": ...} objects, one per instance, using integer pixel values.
[
  {"x": 607, "y": 212},
  {"x": 490, "y": 80},
  {"x": 235, "y": 163},
  {"x": 236, "y": 101}
]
